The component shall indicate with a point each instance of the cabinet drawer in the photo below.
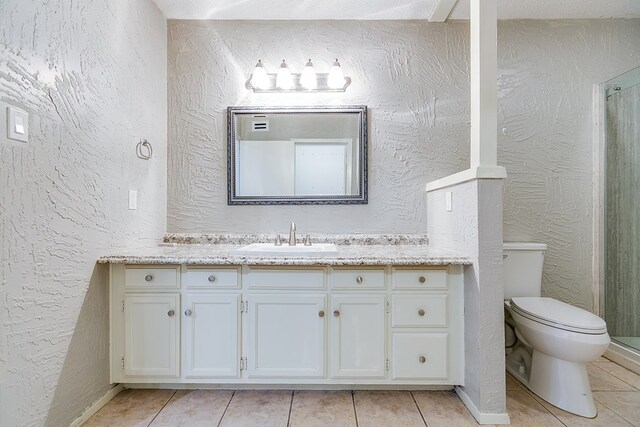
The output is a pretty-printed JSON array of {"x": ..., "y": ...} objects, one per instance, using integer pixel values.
[
  {"x": 211, "y": 278},
  {"x": 420, "y": 355},
  {"x": 164, "y": 277},
  {"x": 357, "y": 278},
  {"x": 406, "y": 278},
  {"x": 419, "y": 310},
  {"x": 275, "y": 278}
]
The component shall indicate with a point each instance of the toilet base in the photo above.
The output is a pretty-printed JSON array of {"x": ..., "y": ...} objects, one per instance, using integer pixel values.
[{"x": 561, "y": 383}]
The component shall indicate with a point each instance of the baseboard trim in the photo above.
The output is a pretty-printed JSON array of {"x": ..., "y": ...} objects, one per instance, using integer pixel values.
[
  {"x": 624, "y": 357},
  {"x": 97, "y": 405},
  {"x": 482, "y": 418}
]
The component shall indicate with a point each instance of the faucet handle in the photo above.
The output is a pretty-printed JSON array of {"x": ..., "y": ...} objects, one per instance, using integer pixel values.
[
  {"x": 278, "y": 240},
  {"x": 307, "y": 240}
]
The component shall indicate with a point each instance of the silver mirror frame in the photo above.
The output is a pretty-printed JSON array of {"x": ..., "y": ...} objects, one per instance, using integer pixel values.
[{"x": 360, "y": 198}]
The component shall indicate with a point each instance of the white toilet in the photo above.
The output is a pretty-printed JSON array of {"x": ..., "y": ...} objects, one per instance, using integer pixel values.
[{"x": 549, "y": 343}]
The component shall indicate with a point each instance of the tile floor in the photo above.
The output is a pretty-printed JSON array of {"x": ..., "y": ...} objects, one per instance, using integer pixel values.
[{"x": 616, "y": 390}]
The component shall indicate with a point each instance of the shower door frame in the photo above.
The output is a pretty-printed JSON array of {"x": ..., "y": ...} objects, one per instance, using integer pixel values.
[{"x": 618, "y": 353}]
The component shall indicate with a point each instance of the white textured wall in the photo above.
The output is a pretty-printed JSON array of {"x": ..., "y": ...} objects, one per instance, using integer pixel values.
[
  {"x": 417, "y": 100},
  {"x": 474, "y": 227},
  {"x": 546, "y": 74},
  {"x": 93, "y": 75},
  {"x": 414, "y": 77}
]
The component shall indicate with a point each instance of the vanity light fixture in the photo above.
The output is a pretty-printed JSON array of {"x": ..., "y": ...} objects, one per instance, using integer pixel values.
[
  {"x": 259, "y": 77},
  {"x": 284, "y": 80},
  {"x": 309, "y": 80},
  {"x": 336, "y": 76}
]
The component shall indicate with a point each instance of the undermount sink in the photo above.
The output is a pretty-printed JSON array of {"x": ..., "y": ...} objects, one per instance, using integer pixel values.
[{"x": 299, "y": 250}]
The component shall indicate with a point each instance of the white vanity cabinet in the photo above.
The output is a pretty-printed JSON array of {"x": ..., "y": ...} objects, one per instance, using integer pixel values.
[
  {"x": 314, "y": 325},
  {"x": 286, "y": 336},
  {"x": 358, "y": 336},
  {"x": 151, "y": 335}
]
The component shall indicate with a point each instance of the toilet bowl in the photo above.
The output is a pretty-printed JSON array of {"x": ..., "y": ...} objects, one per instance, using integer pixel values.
[{"x": 553, "y": 341}]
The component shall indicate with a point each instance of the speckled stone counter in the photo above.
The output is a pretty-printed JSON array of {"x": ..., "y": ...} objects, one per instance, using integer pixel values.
[{"x": 346, "y": 255}]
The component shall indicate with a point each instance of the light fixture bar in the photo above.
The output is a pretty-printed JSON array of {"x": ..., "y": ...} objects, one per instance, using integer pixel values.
[{"x": 323, "y": 86}]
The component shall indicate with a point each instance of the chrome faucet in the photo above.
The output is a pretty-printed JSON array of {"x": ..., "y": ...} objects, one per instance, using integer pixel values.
[{"x": 292, "y": 234}]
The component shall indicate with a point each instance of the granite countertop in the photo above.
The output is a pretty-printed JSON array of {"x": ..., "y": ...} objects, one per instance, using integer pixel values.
[{"x": 382, "y": 250}]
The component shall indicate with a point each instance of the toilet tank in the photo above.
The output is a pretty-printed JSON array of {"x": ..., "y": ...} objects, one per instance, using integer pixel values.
[{"x": 522, "y": 265}]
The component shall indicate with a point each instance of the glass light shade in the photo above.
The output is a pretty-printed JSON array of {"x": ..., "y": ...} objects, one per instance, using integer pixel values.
[
  {"x": 308, "y": 78},
  {"x": 259, "y": 78},
  {"x": 336, "y": 76},
  {"x": 283, "y": 78}
]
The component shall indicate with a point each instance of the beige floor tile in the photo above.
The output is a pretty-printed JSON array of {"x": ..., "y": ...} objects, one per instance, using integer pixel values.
[
  {"x": 194, "y": 408},
  {"x": 258, "y": 408},
  {"x": 443, "y": 409},
  {"x": 621, "y": 373},
  {"x": 386, "y": 408},
  {"x": 603, "y": 381},
  {"x": 624, "y": 403},
  {"x": 513, "y": 384},
  {"x": 322, "y": 408},
  {"x": 605, "y": 417},
  {"x": 131, "y": 408},
  {"x": 525, "y": 411}
]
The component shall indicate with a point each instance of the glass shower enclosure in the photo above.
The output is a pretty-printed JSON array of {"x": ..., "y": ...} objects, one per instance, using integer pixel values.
[{"x": 622, "y": 209}]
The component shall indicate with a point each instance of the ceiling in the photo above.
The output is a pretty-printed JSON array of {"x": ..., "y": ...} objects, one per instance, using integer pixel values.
[{"x": 386, "y": 9}]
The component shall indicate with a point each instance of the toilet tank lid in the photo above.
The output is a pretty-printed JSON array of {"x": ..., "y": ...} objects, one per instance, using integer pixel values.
[
  {"x": 523, "y": 246},
  {"x": 559, "y": 313}
]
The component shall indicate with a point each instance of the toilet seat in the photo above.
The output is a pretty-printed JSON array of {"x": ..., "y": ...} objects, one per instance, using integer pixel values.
[{"x": 558, "y": 315}]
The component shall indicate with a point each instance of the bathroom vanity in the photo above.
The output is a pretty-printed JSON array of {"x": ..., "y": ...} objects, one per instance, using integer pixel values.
[{"x": 368, "y": 315}]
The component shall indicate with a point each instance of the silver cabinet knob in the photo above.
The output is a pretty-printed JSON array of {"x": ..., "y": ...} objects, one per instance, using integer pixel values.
[
  {"x": 359, "y": 279},
  {"x": 148, "y": 278},
  {"x": 422, "y": 359},
  {"x": 321, "y": 313},
  {"x": 211, "y": 278},
  {"x": 187, "y": 312},
  {"x": 171, "y": 313},
  {"x": 336, "y": 313},
  {"x": 421, "y": 312},
  {"x": 422, "y": 279}
]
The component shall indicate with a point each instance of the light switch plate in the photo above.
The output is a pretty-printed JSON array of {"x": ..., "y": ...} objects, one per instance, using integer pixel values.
[
  {"x": 449, "y": 201},
  {"x": 17, "y": 124},
  {"x": 133, "y": 199}
]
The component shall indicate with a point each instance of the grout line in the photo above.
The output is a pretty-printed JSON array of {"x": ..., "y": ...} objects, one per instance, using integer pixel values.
[
  {"x": 355, "y": 411},
  {"x": 419, "y": 410},
  {"x": 227, "y": 407},
  {"x": 611, "y": 409},
  {"x": 536, "y": 398},
  {"x": 163, "y": 406},
  {"x": 594, "y": 364},
  {"x": 290, "y": 406}
]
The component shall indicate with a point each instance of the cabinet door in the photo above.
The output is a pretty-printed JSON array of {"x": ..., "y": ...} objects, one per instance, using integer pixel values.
[
  {"x": 286, "y": 336},
  {"x": 358, "y": 336},
  {"x": 210, "y": 336},
  {"x": 151, "y": 345}
]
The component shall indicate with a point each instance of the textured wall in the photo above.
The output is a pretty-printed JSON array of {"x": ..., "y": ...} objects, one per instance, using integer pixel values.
[
  {"x": 546, "y": 73},
  {"x": 93, "y": 75},
  {"x": 473, "y": 227},
  {"x": 414, "y": 77}
]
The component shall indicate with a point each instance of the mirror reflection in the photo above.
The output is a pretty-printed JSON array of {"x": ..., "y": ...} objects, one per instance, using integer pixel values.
[{"x": 298, "y": 155}]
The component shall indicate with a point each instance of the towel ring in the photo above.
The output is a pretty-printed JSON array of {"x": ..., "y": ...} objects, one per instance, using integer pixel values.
[{"x": 144, "y": 150}]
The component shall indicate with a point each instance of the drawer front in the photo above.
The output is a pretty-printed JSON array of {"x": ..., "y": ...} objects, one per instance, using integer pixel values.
[
  {"x": 420, "y": 356},
  {"x": 273, "y": 278},
  {"x": 419, "y": 279},
  {"x": 211, "y": 278},
  {"x": 356, "y": 278},
  {"x": 157, "y": 277},
  {"x": 419, "y": 310}
]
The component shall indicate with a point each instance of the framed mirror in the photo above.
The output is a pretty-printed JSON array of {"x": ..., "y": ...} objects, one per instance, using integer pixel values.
[{"x": 297, "y": 155}]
